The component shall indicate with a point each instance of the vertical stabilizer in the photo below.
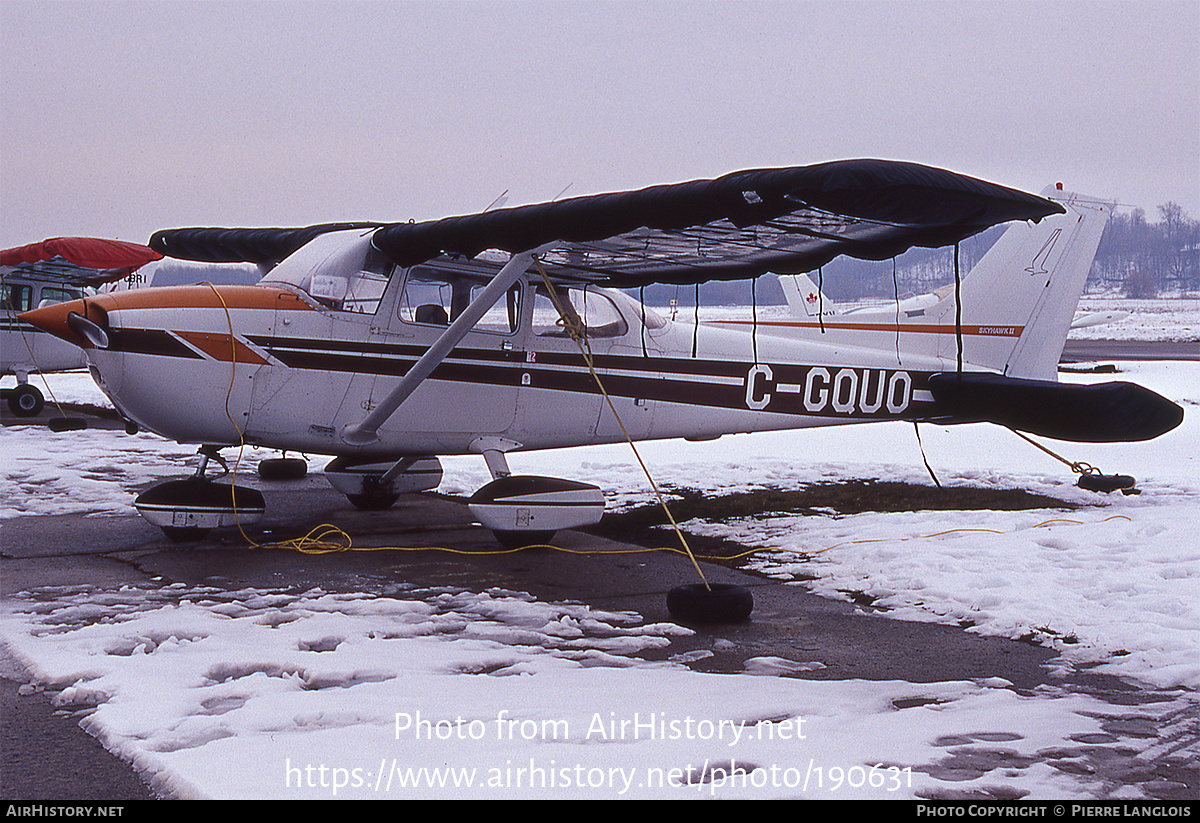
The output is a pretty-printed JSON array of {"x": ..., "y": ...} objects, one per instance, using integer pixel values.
[
  {"x": 1019, "y": 300},
  {"x": 804, "y": 298}
]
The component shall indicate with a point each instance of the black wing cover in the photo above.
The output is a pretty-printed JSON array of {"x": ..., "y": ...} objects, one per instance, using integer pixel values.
[{"x": 737, "y": 226}]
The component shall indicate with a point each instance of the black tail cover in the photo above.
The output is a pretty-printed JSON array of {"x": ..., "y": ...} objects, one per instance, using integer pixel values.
[{"x": 1100, "y": 413}]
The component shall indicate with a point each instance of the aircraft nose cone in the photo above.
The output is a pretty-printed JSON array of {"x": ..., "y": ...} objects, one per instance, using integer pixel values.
[{"x": 56, "y": 319}]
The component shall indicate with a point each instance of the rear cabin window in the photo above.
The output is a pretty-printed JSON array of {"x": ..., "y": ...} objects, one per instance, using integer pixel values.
[{"x": 599, "y": 315}]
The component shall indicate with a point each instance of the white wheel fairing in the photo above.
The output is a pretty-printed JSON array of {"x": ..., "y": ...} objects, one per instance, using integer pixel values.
[{"x": 536, "y": 504}]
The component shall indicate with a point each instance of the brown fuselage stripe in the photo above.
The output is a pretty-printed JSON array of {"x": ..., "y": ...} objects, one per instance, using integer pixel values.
[
  {"x": 217, "y": 347},
  {"x": 655, "y": 378}
]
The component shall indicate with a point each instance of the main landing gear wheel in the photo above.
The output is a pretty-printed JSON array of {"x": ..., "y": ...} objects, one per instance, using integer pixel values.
[
  {"x": 527, "y": 510},
  {"x": 378, "y": 485},
  {"x": 698, "y": 604},
  {"x": 25, "y": 400},
  {"x": 372, "y": 501},
  {"x": 282, "y": 468},
  {"x": 187, "y": 509}
]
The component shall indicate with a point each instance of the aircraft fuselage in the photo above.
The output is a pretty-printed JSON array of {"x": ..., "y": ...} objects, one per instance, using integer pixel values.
[{"x": 296, "y": 373}]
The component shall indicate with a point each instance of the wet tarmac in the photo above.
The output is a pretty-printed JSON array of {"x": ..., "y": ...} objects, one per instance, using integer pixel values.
[
  {"x": 1086, "y": 351},
  {"x": 47, "y": 756}
]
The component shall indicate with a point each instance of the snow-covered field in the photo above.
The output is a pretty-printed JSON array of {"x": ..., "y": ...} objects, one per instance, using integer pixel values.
[
  {"x": 421, "y": 693},
  {"x": 1176, "y": 319}
]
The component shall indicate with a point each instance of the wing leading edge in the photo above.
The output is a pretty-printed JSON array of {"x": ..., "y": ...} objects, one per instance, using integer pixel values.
[{"x": 737, "y": 226}]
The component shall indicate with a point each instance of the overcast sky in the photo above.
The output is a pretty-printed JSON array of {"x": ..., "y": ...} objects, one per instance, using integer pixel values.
[{"x": 121, "y": 118}]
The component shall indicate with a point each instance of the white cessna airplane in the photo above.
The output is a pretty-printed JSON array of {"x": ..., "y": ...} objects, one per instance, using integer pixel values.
[
  {"x": 40, "y": 274},
  {"x": 385, "y": 345}
]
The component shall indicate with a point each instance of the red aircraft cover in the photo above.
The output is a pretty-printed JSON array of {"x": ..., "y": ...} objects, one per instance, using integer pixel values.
[{"x": 113, "y": 258}]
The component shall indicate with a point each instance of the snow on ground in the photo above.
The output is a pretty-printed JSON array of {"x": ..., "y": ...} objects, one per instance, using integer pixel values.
[
  {"x": 439, "y": 693},
  {"x": 456, "y": 694},
  {"x": 1174, "y": 319}
]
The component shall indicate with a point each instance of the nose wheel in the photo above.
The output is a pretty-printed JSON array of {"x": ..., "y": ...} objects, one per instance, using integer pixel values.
[{"x": 25, "y": 400}]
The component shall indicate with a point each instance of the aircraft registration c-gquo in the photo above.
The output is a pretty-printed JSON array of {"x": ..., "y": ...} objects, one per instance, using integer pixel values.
[
  {"x": 41, "y": 274},
  {"x": 386, "y": 345}
]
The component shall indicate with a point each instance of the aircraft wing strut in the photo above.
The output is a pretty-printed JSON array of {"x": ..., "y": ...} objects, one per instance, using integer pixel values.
[{"x": 366, "y": 432}]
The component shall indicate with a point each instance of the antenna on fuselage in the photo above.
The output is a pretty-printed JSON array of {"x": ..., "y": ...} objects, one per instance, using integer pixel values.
[{"x": 499, "y": 201}]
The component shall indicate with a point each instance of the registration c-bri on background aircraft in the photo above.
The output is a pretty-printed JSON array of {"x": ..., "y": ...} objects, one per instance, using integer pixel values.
[{"x": 386, "y": 345}]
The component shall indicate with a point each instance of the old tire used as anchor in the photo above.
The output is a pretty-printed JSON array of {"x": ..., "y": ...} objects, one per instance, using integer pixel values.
[
  {"x": 1106, "y": 483},
  {"x": 715, "y": 603}
]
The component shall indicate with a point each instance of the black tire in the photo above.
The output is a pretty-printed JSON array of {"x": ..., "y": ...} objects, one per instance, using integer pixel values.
[
  {"x": 372, "y": 502},
  {"x": 1106, "y": 483},
  {"x": 282, "y": 468},
  {"x": 519, "y": 540},
  {"x": 723, "y": 603},
  {"x": 66, "y": 424},
  {"x": 25, "y": 400},
  {"x": 183, "y": 534}
]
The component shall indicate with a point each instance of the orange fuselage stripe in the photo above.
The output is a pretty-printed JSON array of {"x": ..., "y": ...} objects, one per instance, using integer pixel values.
[
  {"x": 921, "y": 328},
  {"x": 202, "y": 297}
]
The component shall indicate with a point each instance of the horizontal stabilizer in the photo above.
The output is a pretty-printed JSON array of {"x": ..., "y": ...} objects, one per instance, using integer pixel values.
[{"x": 1100, "y": 413}]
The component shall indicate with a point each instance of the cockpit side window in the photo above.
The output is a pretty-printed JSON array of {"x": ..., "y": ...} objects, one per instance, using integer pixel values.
[
  {"x": 434, "y": 298},
  {"x": 16, "y": 297},
  {"x": 51, "y": 295}
]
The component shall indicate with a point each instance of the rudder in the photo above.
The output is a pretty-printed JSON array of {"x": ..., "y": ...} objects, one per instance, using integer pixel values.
[{"x": 1019, "y": 300}]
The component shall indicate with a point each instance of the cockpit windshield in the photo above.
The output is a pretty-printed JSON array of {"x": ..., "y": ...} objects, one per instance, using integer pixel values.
[{"x": 340, "y": 275}]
